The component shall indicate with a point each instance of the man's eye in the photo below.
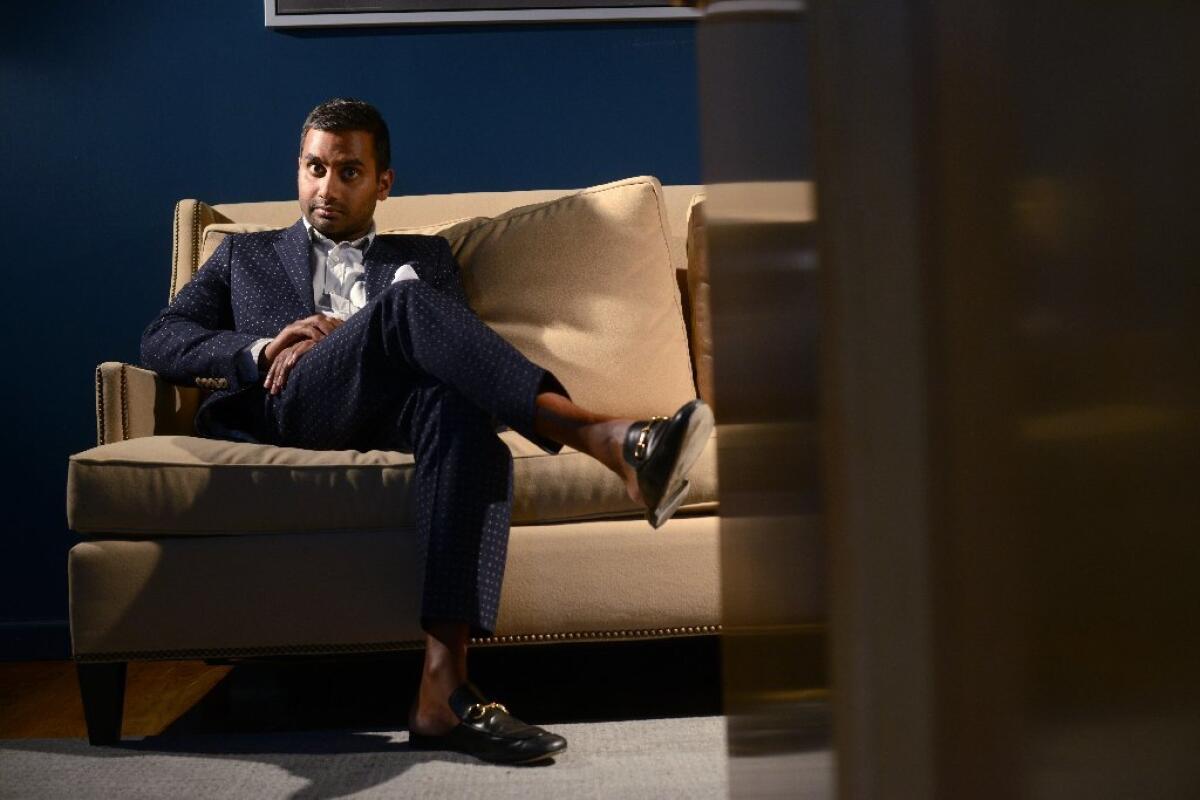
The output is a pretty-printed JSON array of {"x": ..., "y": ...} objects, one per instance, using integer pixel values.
[
  {"x": 350, "y": 173},
  {"x": 316, "y": 169}
]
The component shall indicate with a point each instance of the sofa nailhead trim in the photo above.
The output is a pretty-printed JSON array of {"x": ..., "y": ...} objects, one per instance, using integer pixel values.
[
  {"x": 195, "y": 241},
  {"x": 99, "y": 406},
  {"x": 689, "y": 630},
  {"x": 381, "y": 647},
  {"x": 175, "y": 252},
  {"x": 124, "y": 406}
]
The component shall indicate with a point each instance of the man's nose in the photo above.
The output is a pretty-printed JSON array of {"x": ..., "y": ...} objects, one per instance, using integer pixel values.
[{"x": 327, "y": 185}]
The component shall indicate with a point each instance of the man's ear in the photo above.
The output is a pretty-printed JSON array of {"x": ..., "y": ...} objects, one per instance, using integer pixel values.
[{"x": 385, "y": 183}]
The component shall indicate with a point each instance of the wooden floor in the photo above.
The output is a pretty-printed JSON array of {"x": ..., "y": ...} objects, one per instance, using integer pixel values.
[
  {"x": 542, "y": 684},
  {"x": 40, "y": 699}
]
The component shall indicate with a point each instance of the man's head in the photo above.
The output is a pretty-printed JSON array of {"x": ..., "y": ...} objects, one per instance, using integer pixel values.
[{"x": 344, "y": 167}]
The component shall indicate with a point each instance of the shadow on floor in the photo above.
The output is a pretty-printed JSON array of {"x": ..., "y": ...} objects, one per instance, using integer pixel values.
[
  {"x": 338, "y": 724},
  {"x": 332, "y": 764},
  {"x": 543, "y": 684}
]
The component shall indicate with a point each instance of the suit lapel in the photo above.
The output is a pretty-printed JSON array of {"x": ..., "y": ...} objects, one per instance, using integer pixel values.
[
  {"x": 292, "y": 247},
  {"x": 381, "y": 261}
]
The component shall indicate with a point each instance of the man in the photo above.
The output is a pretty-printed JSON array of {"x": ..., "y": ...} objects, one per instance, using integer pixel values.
[{"x": 327, "y": 335}]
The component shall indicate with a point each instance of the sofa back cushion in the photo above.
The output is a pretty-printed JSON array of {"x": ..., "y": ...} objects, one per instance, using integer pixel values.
[
  {"x": 584, "y": 285},
  {"x": 215, "y": 234}
]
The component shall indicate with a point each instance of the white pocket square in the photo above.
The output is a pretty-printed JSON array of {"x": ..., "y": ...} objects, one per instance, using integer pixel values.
[{"x": 405, "y": 272}]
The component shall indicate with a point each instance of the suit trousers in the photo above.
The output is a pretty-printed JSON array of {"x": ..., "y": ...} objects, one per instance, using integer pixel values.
[{"x": 417, "y": 371}]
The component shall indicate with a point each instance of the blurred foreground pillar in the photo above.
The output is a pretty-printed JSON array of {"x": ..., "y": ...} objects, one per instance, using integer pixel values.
[
  {"x": 764, "y": 284},
  {"x": 1011, "y": 395},
  {"x": 987, "y": 386}
]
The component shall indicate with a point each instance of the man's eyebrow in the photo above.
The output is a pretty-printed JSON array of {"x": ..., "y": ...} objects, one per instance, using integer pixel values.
[{"x": 346, "y": 162}]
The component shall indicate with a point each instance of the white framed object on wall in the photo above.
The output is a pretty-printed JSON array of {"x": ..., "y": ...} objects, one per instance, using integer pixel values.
[{"x": 336, "y": 13}]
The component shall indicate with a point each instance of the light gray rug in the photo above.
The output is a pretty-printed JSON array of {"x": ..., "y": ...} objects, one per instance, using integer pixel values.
[{"x": 663, "y": 758}]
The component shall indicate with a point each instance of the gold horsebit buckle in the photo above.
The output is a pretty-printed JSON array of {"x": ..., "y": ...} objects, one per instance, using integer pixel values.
[
  {"x": 478, "y": 710},
  {"x": 639, "y": 450}
]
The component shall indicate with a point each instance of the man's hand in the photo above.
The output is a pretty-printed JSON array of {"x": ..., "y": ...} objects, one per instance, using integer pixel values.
[
  {"x": 277, "y": 375},
  {"x": 310, "y": 329}
]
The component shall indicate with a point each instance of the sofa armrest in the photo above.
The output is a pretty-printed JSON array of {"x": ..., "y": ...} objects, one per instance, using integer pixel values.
[
  {"x": 191, "y": 218},
  {"x": 133, "y": 402},
  {"x": 699, "y": 293}
]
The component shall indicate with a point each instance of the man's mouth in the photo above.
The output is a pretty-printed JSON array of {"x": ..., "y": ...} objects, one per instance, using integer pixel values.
[{"x": 326, "y": 211}]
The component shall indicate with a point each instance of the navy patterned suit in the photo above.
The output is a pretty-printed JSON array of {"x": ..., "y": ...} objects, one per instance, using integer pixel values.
[{"x": 415, "y": 370}]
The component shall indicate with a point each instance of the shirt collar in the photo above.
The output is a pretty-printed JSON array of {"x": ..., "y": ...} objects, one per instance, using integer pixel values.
[{"x": 362, "y": 244}]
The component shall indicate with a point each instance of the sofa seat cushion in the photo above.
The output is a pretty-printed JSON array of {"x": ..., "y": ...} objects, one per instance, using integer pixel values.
[{"x": 167, "y": 485}]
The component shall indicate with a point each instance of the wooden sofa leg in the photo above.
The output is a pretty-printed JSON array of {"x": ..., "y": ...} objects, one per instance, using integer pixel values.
[{"x": 103, "y": 689}]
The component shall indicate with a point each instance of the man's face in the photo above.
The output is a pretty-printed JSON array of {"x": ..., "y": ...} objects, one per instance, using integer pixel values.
[{"x": 339, "y": 183}]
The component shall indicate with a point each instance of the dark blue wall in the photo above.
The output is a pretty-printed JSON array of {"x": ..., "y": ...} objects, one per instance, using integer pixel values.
[{"x": 113, "y": 111}]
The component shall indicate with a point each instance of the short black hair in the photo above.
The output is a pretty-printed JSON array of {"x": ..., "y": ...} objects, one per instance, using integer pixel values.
[{"x": 348, "y": 114}]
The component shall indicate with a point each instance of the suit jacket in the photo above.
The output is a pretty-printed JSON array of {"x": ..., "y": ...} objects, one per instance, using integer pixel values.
[{"x": 253, "y": 286}]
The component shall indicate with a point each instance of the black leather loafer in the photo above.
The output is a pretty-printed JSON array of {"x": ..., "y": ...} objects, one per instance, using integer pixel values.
[
  {"x": 663, "y": 451},
  {"x": 487, "y": 731}
]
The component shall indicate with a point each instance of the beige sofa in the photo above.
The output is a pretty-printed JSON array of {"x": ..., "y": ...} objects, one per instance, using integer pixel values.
[{"x": 197, "y": 548}]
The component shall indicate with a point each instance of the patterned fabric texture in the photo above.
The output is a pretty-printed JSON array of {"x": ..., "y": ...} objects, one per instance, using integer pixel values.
[{"x": 415, "y": 370}]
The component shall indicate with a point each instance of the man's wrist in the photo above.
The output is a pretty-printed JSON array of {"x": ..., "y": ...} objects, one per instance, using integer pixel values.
[{"x": 261, "y": 357}]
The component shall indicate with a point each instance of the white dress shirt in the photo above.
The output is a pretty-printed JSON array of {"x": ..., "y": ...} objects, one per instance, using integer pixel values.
[
  {"x": 339, "y": 284},
  {"x": 339, "y": 277}
]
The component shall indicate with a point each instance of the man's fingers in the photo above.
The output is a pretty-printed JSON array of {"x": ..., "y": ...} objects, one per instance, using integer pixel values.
[
  {"x": 288, "y": 360},
  {"x": 316, "y": 331},
  {"x": 313, "y": 328},
  {"x": 309, "y": 330},
  {"x": 326, "y": 325},
  {"x": 285, "y": 369},
  {"x": 318, "y": 320},
  {"x": 273, "y": 375},
  {"x": 272, "y": 384},
  {"x": 283, "y": 362}
]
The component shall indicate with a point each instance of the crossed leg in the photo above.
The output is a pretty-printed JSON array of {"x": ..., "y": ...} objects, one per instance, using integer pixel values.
[{"x": 416, "y": 371}]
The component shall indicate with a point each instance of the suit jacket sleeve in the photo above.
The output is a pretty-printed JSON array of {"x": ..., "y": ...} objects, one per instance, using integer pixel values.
[{"x": 194, "y": 336}]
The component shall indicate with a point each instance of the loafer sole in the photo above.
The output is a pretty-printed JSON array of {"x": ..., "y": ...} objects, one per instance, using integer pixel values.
[
  {"x": 667, "y": 508},
  {"x": 451, "y": 744},
  {"x": 695, "y": 437}
]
